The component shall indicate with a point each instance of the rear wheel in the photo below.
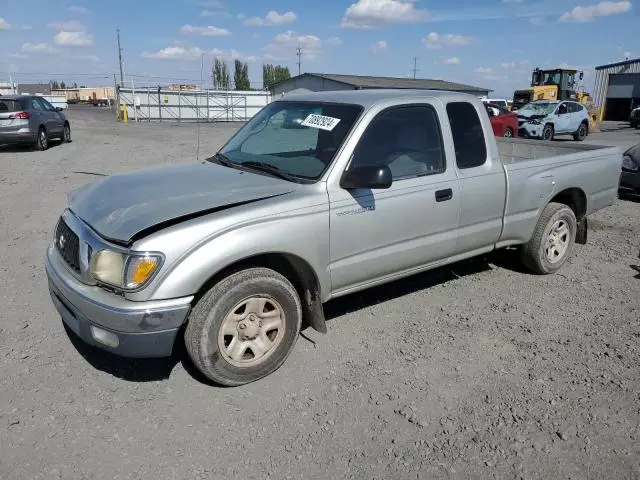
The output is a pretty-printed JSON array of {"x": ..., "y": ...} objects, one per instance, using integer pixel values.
[
  {"x": 547, "y": 132},
  {"x": 244, "y": 327},
  {"x": 508, "y": 132},
  {"x": 66, "y": 135},
  {"x": 581, "y": 133},
  {"x": 552, "y": 240},
  {"x": 42, "y": 141}
]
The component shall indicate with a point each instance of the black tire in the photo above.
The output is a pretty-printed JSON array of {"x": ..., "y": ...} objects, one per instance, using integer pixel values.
[
  {"x": 66, "y": 133},
  {"x": 508, "y": 132},
  {"x": 548, "y": 132},
  {"x": 207, "y": 317},
  {"x": 581, "y": 133},
  {"x": 42, "y": 140},
  {"x": 534, "y": 255}
]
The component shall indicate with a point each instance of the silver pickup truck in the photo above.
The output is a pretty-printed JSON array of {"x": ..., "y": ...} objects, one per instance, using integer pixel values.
[{"x": 319, "y": 195}]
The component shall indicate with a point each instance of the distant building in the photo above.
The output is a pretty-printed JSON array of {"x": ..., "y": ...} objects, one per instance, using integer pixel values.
[
  {"x": 86, "y": 94},
  {"x": 318, "y": 82},
  {"x": 617, "y": 89},
  {"x": 34, "y": 89}
]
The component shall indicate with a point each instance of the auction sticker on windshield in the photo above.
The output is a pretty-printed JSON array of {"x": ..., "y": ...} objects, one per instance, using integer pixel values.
[{"x": 320, "y": 121}]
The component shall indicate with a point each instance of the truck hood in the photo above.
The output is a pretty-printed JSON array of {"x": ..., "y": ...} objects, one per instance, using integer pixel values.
[{"x": 121, "y": 207}]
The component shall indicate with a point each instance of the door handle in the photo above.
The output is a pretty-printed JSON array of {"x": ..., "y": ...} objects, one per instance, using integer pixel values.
[{"x": 444, "y": 195}]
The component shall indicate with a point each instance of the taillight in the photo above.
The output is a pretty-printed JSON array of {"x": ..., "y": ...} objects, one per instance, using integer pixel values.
[{"x": 20, "y": 115}]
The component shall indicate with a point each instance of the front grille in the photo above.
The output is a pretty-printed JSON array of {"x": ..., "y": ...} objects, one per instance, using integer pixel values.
[{"x": 68, "y": 244}]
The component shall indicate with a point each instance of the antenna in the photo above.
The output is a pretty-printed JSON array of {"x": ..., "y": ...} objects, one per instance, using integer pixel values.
[
  {"x": 415, "y": 67},
  {"x": 120, "y": 58},
  {"x": 198, "y": 109},
  {"x": 299, "y": 54}
]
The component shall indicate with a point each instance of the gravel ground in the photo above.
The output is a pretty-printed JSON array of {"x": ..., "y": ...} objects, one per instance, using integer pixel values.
[{"x": 478, "y": 370}]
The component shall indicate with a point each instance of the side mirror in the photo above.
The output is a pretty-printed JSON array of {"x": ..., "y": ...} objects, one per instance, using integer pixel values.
[
  {"x": 59, "y": 109},
  {"x": 581, "y": 75},
  {"x": 367, "y": 177}
]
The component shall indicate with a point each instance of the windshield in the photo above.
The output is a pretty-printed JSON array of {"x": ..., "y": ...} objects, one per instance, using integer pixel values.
[
  {"x": 538, "y": 108},
  {"x": 298, "y": 139}
]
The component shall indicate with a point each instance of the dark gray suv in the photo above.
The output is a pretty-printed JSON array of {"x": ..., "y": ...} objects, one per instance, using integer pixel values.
[{"x": 31, "y": 120}]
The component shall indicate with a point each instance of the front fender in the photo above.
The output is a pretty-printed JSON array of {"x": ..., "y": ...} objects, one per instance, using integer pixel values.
[{"x": 304, "y": 235}]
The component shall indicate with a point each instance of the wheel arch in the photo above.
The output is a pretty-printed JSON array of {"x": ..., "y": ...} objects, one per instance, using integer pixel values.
[
  {"x": 297, "y": 270},
  {"x": 576, "y": 199}
]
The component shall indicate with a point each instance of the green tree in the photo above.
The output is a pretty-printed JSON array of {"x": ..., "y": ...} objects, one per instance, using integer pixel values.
[
  {"x": 241, "y": 76},
  {"x": 53, "y": 85},
  {"x": 75, "y": 85},
  {"x": 63, "y": 85},
  {"x": 272, "y": 74},
  {"x": 220, "y": 74}
]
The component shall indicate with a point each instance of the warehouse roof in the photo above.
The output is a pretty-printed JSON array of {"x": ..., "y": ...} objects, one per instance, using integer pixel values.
[
  {"x": 619, "y": 64},
  {"x": 360, "y": 81}
]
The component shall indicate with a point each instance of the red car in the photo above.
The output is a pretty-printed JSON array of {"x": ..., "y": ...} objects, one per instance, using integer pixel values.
[{"x": 504, "y": 122}]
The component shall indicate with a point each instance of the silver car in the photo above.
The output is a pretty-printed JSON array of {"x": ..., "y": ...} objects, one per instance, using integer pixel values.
[{"x": 26, "y": 119}]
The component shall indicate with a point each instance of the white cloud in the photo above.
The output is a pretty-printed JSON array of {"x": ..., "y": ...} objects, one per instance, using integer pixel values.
[
  {"x": 37, "y": 48},
  {"x": 334, "y": 41},
  {"x": 589, "y": 12},
  {"x": 76, "y": 9},
  {"x": 451, "y": 61},
  {"x": 366, "y": 14},
  {"x": 175, "y": 53},
  {"x": 25, "y": 27},
  {"x": 379, "y": 46},
  {"x": 178, "y": 52},
  {"x": 69, "y": 26},
  {"x": 241, "y": 16},
  {"x": 18, "y": 55},
  {"x": 508, "y": 65},
  {"x": 627, "y": 54},
  {"x": 208, "y": 31},
  {"x": 284, "y": 46},
  {"x": 4, "y": 25},
  {"x": 436, "y": 41},
  {"x": 484, "y": 70},
  {"x": 73, "y": 39},
  {"x": 272, "y": 19}
]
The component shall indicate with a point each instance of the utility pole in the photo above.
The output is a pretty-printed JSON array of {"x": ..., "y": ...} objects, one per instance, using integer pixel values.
[
  {"x": 120, "y": 59},
  {"x": 299, "y": 54},
  {"x": 415, "y": 67}
]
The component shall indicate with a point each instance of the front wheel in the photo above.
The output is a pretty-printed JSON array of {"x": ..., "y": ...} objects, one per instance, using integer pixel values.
[
  {"x": 552, "y": 240},
  {"x": 508, "y": 132},
  {"x": 581, "y": 133},
  {"x": 66, "y": 134},
  {"x": 547, "y": 132},
  {"x": 244, "y": 327}
]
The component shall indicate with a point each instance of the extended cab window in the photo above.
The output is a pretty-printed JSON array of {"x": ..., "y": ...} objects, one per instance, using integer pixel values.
[
  {"x": 468, "y": 135},
  {"x": 406, "y": 139}
]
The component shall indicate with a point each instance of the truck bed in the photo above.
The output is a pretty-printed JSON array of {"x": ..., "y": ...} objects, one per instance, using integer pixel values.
[
  {"x": 515, "y": 150},
  {"x": 536, "y": 171}
]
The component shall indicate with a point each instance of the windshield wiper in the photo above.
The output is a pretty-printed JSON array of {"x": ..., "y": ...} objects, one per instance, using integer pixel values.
[
  {"x": 271, "y": 169},
  {"x": 222, "y": 159}
]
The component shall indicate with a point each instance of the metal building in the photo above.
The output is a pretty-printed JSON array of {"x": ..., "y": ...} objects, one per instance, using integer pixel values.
[
  {"x": 317, "y": 82},
  {"x": 617, "y": 89}
]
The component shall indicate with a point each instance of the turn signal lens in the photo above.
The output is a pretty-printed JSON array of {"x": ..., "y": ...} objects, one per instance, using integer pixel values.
[{"x": 140, "y": 269}]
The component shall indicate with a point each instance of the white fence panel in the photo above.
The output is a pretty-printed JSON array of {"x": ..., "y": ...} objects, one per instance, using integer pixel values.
[{"x": 154, "y": 104}]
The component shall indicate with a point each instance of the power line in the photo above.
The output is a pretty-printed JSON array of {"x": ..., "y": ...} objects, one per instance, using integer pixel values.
[
  {"x": 415, "y": 67},
  {"x": 299, "y": 54}
]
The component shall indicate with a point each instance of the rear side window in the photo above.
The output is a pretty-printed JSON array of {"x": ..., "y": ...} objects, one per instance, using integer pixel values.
[
  {"x": 574, "y": 107},
  {"x": 468, "y": 135},
  {"x": 10, "y": 105}
]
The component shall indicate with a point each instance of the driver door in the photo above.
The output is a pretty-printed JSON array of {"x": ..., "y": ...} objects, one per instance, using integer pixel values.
[
  {"x": 563, "y": 119},
  {"x": 376, "y": 234}
]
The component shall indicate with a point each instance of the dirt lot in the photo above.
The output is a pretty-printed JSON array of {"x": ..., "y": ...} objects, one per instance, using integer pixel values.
[{"x": 478, "y": 370}]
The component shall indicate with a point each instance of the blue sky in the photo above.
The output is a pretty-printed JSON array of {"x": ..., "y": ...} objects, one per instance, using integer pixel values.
[{"x": 492, "y": 43}]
